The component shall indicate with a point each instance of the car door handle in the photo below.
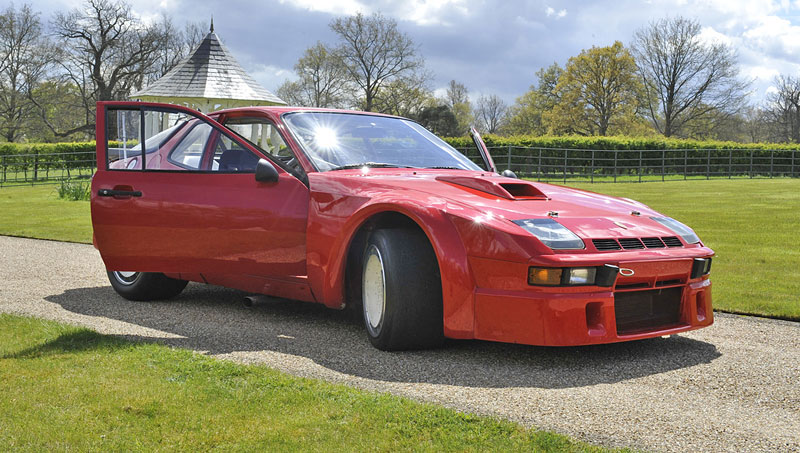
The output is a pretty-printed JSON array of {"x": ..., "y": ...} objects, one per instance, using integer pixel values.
[{"x": 119, "y": 193}]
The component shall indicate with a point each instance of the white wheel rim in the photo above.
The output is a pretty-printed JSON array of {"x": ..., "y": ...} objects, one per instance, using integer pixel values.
[
  {"x": 126, "y": 277},
  {"x": 374, "y": 290}
]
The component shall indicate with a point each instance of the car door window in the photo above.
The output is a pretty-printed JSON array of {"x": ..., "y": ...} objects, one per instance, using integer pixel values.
[
  {"x": 188, "y": 153},
  {"x": 231, "y": 157},
  {"x": 155, "y": 139},
  {"x": 264, "y": 135}
]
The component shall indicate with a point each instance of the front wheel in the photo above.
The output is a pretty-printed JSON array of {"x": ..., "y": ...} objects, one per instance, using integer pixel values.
[
  {"x": 143, "y": 286},
  {"x": 401, "y": 291}
]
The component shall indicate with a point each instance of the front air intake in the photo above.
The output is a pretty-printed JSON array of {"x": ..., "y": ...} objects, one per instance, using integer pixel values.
[
  {"x": 631, "y": 243},
  {"x": 640, "y": 311},
  {"x": 606, "y": 244},
  {"x": 653, "y": 243}
]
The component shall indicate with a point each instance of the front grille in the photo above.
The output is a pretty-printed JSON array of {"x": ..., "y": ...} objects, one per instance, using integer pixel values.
[
  {"x": 631, "y": 243},
  {"x": 653, "y": 243},
  {"x": 606, "y": 244},
  {"x": 638, "y": 311}
]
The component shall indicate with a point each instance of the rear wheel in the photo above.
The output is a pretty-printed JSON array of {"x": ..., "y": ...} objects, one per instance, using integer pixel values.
[
  {"x": 401, "y": 291},
  {"x": 143, "y": 286}
]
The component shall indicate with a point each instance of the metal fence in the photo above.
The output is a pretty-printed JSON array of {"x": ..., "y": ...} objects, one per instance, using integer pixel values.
[
  {"x": 44, "y": 168},
  {"x": 543, "y": 164},
  {"x": 594, "y": 165}
]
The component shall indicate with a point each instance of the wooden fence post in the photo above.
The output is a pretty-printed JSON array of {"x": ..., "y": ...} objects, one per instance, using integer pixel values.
[
  {"x": 685, "y": 163},
  {"x": 730, "y": 163},
  {"x": 771, "y": 162},
  {"x": 35, "y": 165},
  {"x": 639, "y": 171}
]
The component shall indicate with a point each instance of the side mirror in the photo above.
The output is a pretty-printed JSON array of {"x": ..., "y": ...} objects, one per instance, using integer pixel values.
[
  {"x": 509, "y": 174},
  {"x": 265, "y": 172}
]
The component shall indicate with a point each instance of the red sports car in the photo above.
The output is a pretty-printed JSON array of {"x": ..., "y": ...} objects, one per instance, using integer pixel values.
[{"x": 341, "y": 207}]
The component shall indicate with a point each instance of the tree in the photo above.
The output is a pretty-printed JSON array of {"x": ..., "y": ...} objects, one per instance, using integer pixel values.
[
  {"x": 375, "y": 53},
  {"x": 440, "y": 120},
  {"x": 322, "y": 80},
  {"x": 783, "y": 110},
  {"x": 684, "y": 78},
  {"x": 597, "y": 90},
  {"x": 525, "y": 116},
  {"x": 25, "y": 58},
  {"x": 490, "y": 113},
  {"x": 406, "y": 96},
  {"x": 107, "y": 52},
  {"x": 58, "y": 98},
  {"x": 457, "y": 98}
]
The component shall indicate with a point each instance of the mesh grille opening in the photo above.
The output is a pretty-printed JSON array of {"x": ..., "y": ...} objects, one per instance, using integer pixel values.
[
  {"x": 653, "y": 243},
  {"x": 639, "y": 311},
  {"x": 672, "y": 241},
  {"x": 631, "y": 243},
  {"x": 606, "y": 244}
]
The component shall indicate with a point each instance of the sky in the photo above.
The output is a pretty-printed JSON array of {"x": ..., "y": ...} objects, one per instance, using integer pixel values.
[{"x": 493, "y": 47}]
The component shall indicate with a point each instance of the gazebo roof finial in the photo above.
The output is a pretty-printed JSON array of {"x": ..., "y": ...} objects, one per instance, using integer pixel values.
[{"x": 212, "y": 24}]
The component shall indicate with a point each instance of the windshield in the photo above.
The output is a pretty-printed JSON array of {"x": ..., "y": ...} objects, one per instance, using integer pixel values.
[{"x": 341, "y": 140}]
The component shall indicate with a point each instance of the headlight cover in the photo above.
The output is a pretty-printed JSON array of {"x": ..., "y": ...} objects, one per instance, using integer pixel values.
[
  {"x": 683, "y": 231},
  {"x": 552, "y": 234}
]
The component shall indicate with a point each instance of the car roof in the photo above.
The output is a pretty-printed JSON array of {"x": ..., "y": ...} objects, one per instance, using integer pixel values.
[{"x": 281, "y": 109}]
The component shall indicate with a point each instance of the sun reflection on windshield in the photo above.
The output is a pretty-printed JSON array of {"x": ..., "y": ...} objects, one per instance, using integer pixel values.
[{"x": 325, "y": 138}]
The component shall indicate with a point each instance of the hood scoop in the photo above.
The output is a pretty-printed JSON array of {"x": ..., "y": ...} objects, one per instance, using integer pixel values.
[{"x": 504, "y": 187}]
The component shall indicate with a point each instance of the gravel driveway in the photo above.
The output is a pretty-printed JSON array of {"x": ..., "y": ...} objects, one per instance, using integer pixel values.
[{"x": 732, "y": 387}]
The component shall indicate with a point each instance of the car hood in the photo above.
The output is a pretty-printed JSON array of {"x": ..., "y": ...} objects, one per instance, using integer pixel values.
[{"x": 587, "y": 214}]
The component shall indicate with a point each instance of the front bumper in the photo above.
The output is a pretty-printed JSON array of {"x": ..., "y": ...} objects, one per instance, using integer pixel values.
[{"x": 513, "y": 312}]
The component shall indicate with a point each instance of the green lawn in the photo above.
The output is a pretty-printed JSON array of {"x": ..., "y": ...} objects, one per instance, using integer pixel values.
[
  {"x": 753, "y": 227},
  {"x": 66, "y": 388},
  {"x": 37, "y": 212},
  {"x": 751, "y": 224}
]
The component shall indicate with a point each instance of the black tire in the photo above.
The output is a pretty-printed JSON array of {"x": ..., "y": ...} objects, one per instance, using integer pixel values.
[
  {"x": 144, "y": 286},
  {"x": 411, "y": 314}
]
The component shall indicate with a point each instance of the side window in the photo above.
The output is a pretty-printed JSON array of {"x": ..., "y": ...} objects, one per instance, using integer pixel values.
[
  {"x": 188, "y": 153},
  {"x": 152, "y": 139},
  {"x": 123, "y": 135},
  {"x": 264, "y": 135},
  {"x": 231, "y": 157}
]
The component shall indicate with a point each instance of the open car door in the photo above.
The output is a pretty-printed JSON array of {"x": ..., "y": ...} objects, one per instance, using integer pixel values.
[{"x": 176, "y": 192}]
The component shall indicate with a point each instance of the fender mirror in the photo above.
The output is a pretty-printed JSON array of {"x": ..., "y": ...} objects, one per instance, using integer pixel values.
[
  {"x": 265, "y": 172},
  {"x": 509, "y": 174}
]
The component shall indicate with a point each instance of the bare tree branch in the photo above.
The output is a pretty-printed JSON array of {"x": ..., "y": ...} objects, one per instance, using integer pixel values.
[
  {"x": 375, "y": 53},
  {"x": 684, "y": 78}
]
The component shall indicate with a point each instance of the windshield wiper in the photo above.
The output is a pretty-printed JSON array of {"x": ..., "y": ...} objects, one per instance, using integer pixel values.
[
  {"x": 446, "y": 168},
  {"x": 370, "y": 165}
]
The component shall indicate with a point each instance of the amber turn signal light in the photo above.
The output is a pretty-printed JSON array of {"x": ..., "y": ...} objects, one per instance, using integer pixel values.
[{"x": 544, "y": 276}]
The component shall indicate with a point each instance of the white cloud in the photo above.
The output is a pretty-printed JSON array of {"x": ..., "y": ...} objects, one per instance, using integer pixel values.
[
  {"x": 432, "y": 12},
  {"x": 343, "y": 7},
  {"x": 710, "y": 36},
  {"x": 269, "y": 76},
  {"x": 551, "y": 12}
]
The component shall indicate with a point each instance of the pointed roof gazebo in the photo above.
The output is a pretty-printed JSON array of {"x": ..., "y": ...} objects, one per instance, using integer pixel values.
[{"x": 209, "y": 79}]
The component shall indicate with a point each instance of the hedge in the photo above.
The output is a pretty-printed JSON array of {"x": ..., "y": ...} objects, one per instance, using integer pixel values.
[
  {"x": 606, "y": 156},
  {"x": 531, "y": 155},
  {"x": 612, "y": 143}
]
